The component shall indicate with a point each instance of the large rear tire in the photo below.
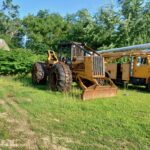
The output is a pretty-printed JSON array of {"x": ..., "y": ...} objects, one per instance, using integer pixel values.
[
  {"x": 60, "y": 77},
  {"x": 39, "y": 73}
]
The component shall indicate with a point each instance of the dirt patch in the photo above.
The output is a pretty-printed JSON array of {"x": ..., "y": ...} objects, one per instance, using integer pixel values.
[
  {"x": 56, "y": 147},
  {"x": 56, "y": 120},
  {"x": 83, "y": 132},
  {"x": 3, "y": 115},
  {"x": 20, "y": 127},
  {"x": 124, "y": 144},
  {"x": 12, "y": 121},
  {"x": 120, "y": 144},
  {"x": 28, "y": 100},
  {"x": 2, "y": 102},
  {"x": 31, "y": 144},
  {"x": 53, "y": 143},
  {"x": 56, "y": 139},
  {"x": 9, "y": 143},
  {"x": 46, "y": 142},
  {"x": 64, "y": 140}
]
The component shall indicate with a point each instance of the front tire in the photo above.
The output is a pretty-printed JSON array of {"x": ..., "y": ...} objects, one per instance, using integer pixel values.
[{"x": 60, "y": 77}]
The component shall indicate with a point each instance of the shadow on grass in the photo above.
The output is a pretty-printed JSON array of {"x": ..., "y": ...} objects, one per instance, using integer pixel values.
[
  {"x": 27, "y": 81},
  {"x": 137, "y": 88},
  {"x": 75, "y": 92}
]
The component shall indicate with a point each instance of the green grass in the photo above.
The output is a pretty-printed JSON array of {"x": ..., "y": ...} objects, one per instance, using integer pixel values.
[{"x": 121, "y": 122}]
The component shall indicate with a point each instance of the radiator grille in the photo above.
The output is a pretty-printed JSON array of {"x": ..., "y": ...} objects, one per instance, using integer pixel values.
[{"x": 98, "y": 66}]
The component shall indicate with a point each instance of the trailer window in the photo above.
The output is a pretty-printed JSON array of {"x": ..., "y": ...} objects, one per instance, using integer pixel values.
[{"x": 141, "y": 61}]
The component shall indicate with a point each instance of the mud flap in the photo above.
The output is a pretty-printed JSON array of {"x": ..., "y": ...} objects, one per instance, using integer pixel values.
[{"x": 96, "y": 91}]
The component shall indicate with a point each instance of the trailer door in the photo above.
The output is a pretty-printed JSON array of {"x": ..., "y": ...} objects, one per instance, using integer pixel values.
[{"x": 126, "y": 72}]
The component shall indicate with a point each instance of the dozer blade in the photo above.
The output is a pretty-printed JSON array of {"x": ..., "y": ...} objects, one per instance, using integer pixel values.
[{"x": 97, "y": 91}]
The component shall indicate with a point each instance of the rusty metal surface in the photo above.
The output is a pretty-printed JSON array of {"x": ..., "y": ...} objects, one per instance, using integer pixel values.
[
  {"x": 91, "y": 77},
  {"x": 98, "y": 88},
  {"x": 97, "y": 91}
]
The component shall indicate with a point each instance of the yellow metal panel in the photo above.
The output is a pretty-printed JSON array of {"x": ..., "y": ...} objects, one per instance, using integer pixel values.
[
  {"x": 148, "y": 59},
  {"x": 142, "y": 71},
  {"x": 88, "y": 66}
]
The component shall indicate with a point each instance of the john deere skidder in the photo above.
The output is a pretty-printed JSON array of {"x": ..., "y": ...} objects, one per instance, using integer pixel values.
[{"x": 75, "y": 62}]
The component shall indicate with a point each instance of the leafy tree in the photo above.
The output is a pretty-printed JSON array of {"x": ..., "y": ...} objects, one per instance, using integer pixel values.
[
  {"x": 10, "y": 9},
  {"x": 9, "y": 21},
  {"x": 44, "y": 30},
  {"x": 106, "y": 27},
  {"x": 79, "y": 24},
  {"x": 131, "y": 25}
]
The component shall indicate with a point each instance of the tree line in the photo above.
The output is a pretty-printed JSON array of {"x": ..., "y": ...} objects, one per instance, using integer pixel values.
[{"x": 107, "y": 28}]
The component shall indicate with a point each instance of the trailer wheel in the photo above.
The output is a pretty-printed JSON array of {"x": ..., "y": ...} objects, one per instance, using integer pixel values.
[
  {"x": 148, "y": 85},
  {"x": 60, "y": 77},
  {"x": 39, "y": 73}
]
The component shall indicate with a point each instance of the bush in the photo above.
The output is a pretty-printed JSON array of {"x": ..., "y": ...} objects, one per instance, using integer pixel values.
[{"x": 18, "y": 61}]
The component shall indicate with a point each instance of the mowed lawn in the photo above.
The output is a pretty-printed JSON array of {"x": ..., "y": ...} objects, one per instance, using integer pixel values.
[{"x": 32, "y": 117}]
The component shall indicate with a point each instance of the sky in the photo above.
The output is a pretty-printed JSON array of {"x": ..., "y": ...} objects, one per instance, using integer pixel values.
[{"x": 60, "y": 6}]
